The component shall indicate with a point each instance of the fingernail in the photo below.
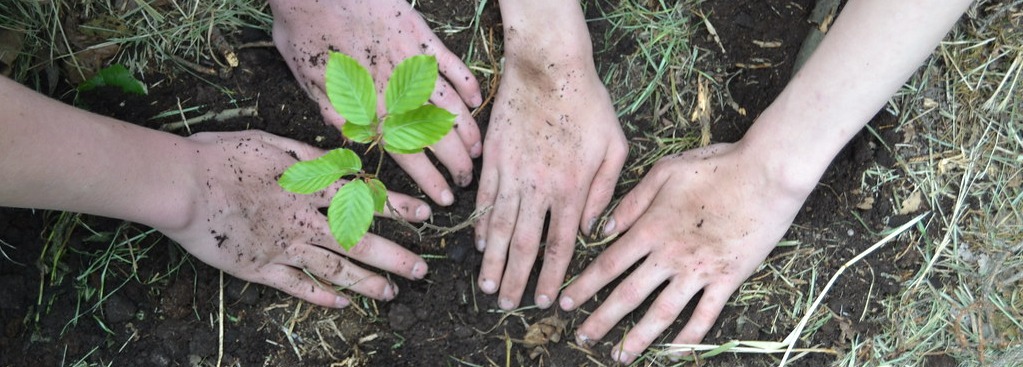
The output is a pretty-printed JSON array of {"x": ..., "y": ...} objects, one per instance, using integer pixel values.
[
  {"x": 464, "y": 180},
  {"x": 446, "y": 197},
  {"x": 505, "y": 304},
  {"x": 589, "y": 225},
  {"x": 488, "y": 287},
  {"x": 390, "y": 291},
  {"x": 419, "y": 270},
  {"x": 567, "y": 303},
  {"x": 477, "y": 100},
  {"x": 543, "y": 301},
  {"x": 422, "y": 212},
  {"x": 481, "y": 245},
  {"x": 609, "y": 227},
  {"x": 621, "y": 356},
  {"x": 476, "y": 150},
  {"x": 582, "y": 340},
  {"x": 340, "y": 302}
]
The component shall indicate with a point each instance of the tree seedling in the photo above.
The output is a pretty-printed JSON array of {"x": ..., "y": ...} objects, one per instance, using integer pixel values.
[{"x": 409, "y": 125}]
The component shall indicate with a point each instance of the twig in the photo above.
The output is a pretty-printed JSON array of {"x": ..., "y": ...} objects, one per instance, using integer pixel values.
[
  {"x": 220, "y": 323},
  {"x": 215, "y": 116}
]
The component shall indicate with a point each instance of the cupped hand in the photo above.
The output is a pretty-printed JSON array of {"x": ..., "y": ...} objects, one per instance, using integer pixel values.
[
  {"x": 245, "y": 224},
  {"x": 380, "y": 34},
  {"x": 554, "y": 145},
  {"x": 702, "y": 220}
]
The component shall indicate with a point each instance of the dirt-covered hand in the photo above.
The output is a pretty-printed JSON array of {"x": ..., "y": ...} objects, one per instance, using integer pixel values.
[
  {"x": 702, "y": 220},
  {"x": 554, "y": 146},
  {"x": 380, "y": 34},
  {"x": 245, "y": 224}
]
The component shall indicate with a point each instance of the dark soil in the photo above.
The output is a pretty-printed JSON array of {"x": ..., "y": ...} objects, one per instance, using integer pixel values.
[{"x": 158, "y": 319}]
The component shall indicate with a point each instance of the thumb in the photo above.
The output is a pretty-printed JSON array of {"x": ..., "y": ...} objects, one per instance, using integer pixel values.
[{"x": 636, "y": 202}]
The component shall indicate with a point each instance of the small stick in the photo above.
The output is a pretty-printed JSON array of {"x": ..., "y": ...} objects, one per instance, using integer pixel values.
[
  {"x": 216, "y": 116},
  {"x": 220, "y": 323}
]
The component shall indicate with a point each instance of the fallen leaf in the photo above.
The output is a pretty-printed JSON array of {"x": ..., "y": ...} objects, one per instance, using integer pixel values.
[
  {"x": 866, "y": 204},
  {"x": 544, "y": 331},
  {"x": 911, "y": 204}
]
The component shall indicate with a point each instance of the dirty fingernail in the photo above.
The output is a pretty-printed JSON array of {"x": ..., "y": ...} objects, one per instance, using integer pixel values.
[
  {"x": 476, "y": 150},
  {"x": 505, "y": 304},
  {"x": 582, "y": 340},
  {"x": 481, "y": 245},
  {"x": 340, "y": 302},
  {"x": 488, "y": 287},
  {"x": 609, "y": 227},
  {"x": 543, "y": 301},
  {"x": 567, "y": 303},
  {"x": 419, "y": 270},
  {"x": 446, "y": 197},
  {"x": 589, "y": 225}
]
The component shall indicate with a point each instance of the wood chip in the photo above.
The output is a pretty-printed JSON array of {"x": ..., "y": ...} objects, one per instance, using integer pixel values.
[{"x": 767, "y": 44}]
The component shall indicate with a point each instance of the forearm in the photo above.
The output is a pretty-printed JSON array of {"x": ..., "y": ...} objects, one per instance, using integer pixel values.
[
  {"x": 54, "y": 156},
  {"x": 873, "y": 47}
]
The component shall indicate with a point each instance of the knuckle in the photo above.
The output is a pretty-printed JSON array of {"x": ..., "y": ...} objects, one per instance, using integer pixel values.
[
  {"x": 360, "y": 249},
  {"x": 630, "y": 295}
]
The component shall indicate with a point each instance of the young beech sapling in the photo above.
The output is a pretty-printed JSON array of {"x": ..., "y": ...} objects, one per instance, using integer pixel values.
[{"x": 409, "y": 125}]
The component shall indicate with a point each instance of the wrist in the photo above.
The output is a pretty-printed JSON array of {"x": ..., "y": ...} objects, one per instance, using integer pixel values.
[{"x": 545, "y": 31}]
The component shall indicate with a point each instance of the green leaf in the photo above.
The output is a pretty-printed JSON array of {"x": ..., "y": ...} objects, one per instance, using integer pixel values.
[
  {"x": 350, "y": 89},
  {"x": 411, "y": 83},
  {"x": 115, "y": 75},
  {"x": 307, "y": 177},
  {"x": 379, "y": 192},
  {"x": 410, "y": 132},
  {"x": 359, "y": 133},
  {"x": 350, "y": 213}
]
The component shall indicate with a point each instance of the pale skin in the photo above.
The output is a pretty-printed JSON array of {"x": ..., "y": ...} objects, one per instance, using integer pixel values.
[
  {"x": 554, "y": 146},
  {"x": 702, "y": 220},
  {"x": 380, "y": 34},
  {"x": 705, "y": 219},
  {"x": 213, "y": 193}
]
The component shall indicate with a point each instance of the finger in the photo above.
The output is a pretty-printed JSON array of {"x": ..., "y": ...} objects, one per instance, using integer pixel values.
[
  {"x": 302, "y": 151},
  {"x": 465, "y": 125},
  {"x": 625, "y": 298},
  {"x": 705, "y": 314},
  {"x": 558, "y": 251},
  {"x": 455, "y": 157},
  {"x": 337, "y": 270},
  {"x": 296, "y": 283},
  {"x": 426, "y": 176},
  {"x": 485, "y": 196},
  {"x": 330, "y": 115},
  {"x": 525, "y": 243},
  {"x": 610, "y": 264},
  {"x": 635, "y": 203},
  {"x": 459, "y": 75},
  {"x": 603, "y": 186},
  {"x": 405, "y": 207},
  {"x": 661, "y": 314},
  {"x": 501, "y": 224},
  {"x": 372, "y": 250},
  {"x": 388, "y": 256}
]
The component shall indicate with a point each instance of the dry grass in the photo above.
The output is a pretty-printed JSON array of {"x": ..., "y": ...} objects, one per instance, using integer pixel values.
[
  {"x": 72, "y": 39},
  {"x": 963, "y": 153}
]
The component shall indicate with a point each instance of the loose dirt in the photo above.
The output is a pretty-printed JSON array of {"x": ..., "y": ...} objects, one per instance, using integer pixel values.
[{"x": 159, "y": 320}]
